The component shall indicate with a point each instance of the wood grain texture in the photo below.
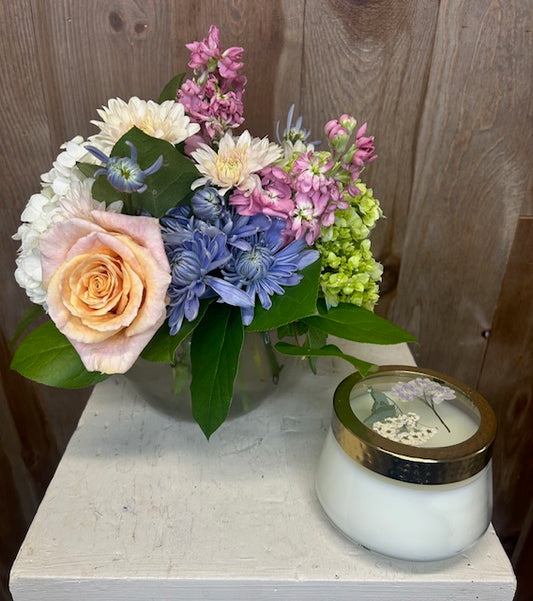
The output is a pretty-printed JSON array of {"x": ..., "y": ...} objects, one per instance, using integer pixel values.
[
  {"x": 468, "y": 185},
  {"x": 527, "y": 206},
  {"x": 372, "y": 60},
  {"x": 28, "y": 453},
  {"x": 507, "y": 382},
  {"x": 95, "y": 50},
  {"x": 24, "y": 143}
]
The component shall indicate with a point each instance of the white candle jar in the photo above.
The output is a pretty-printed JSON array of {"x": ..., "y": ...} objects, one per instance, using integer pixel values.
[{"x": 405, "y": 469}]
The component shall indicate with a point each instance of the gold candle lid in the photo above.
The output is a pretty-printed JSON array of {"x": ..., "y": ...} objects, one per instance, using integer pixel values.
[{"x": 413, "y": 425}]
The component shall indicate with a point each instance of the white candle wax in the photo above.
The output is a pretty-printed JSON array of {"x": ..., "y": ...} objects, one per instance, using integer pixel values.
[{"x": 408, "y": 521}]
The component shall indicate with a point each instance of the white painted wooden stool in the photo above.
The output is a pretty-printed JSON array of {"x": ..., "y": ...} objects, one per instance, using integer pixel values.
[{"x": 143, "y": 508}]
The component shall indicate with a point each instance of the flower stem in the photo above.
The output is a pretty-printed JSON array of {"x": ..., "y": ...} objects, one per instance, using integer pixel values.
[
  {"x": 295, "y": 332},
  {"x": 275, "y": 367},
  {"x": 389, "y": 399},
  {"x": 431, "y": 404}
]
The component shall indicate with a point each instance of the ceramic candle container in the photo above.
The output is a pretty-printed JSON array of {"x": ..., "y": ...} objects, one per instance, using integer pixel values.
[{"x": 405, "y": 469}]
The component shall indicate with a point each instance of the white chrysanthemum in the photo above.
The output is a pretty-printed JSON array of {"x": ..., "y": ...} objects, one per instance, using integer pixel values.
[
  {"x": 65, "y": 192},
  {"x": 236, "y": 163},
  {"x": 166, "y": 121}
]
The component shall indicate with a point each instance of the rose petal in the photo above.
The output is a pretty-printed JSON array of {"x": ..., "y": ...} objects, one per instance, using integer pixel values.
[{"x": 106, "y": 279}]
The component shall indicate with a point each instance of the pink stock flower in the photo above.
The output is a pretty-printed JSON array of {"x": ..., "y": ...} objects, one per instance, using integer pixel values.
[
  {"x": 348, "y": 122},
  {"x": 305, "y": 219},
  {"x": 191, "y": 98},
  {"x": 352, "y": 188},
  {"x": 365, "y": 148},
  {"x": 334, "y": 130},
  {"x": 339, "y": 131},
  {"x": 310, "y": 170},
  {"x": 206, "y": 55},
  {"x": 214, "y": 98},
  {"x": 273, "y": 197},
  {"x": 202, "y": 52},
  {"x": 230, "y": 62},
  {"x": 192, "y": 143},
  {"x": 223, "y": 110},
  {"x": 359, "y": 154},
  {"x": 227, "y": 109},
  {"x": 317, "y": 195}
]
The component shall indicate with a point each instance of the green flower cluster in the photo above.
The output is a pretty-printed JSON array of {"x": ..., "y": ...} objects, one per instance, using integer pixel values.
[{"x": 350, "y": 274}]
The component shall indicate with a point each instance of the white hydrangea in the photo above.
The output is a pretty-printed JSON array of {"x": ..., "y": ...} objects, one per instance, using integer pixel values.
[{"x": 65, "y": 192}]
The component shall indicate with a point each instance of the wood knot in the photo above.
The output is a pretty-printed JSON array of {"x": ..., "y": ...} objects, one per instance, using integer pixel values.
[
  {"x": 116, "y": 21},
  {"x": 140, "y": 27}
]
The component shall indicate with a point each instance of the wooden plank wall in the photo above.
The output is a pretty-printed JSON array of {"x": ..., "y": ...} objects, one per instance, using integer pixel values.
[{"x": 446, "y": 88}]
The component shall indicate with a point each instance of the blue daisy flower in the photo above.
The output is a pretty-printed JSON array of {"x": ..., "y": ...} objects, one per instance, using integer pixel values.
[
  {"x": 267, "y": 267},
  {"x": 196, "y": 255}
]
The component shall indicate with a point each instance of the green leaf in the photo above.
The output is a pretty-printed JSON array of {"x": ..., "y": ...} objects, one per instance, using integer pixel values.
[
  {"x": 330, "y": 350},
  {"x": 381, "y": 408},
  {"x": 46, "y": 356},
  {"x": 379, "y": 415},
  {"x": 316, "y": 338},
  {"x": 167, "y": 187},
  {"x": 162, "y": 347},
  {"x": 170, "y": 91},
  {"x": 360, "y": 325},
  {"x": 297, "y": 302},
  {"x": 215, "y": 350},
  {"x": 32, "y": 313},
  {"x": 87, "y": 169},
  {"x": 103, "y": 191}
]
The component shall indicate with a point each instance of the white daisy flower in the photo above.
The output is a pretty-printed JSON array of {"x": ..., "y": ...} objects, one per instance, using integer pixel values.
[
  {"x": 166, "y": 121},
  {"x": 236, "y": 163}
]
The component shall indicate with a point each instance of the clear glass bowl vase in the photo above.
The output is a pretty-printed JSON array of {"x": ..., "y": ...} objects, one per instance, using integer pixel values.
[{"x": 166, "y": 387}]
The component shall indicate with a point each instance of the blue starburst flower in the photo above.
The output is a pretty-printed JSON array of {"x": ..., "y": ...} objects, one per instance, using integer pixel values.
[
  {"x": 196, "y": 258},
  {"x": 240, "y": 228},
  {"x": 124, "y": 173},
  {"x": 180, "y": 223},
  {"x": 267, "y": 267},
  {"x": 207, "y": 203}
]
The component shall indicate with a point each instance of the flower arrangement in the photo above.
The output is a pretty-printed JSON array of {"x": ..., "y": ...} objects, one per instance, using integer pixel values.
[{"x": 168, "y": 225}]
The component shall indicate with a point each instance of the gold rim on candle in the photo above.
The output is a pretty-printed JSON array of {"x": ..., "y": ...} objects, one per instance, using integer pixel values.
[{"x": 436, "y": 465}]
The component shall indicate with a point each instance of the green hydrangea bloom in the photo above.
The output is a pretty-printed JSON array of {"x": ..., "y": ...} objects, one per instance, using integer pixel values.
[{"x": 350, "y": 274}]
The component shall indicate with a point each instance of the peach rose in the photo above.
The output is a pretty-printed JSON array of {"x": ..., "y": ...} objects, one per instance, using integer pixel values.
[{"x": 106, "y": 282}]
